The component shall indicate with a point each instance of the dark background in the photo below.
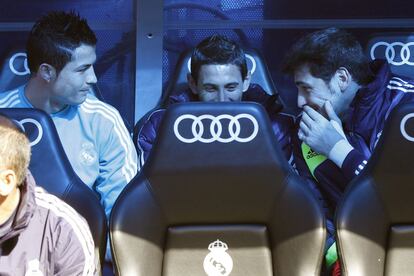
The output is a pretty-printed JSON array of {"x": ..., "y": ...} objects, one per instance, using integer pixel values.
[{"x": 270, "y": 26}]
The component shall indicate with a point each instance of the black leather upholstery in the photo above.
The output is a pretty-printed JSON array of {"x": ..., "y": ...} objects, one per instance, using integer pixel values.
[
  {"x": 255, "y": 62},
  {"x": 189, "y": 194},
  {"x": 14, "y": 69},
  {"x": 396, "y": 48},
  {"x": 52, "y": 171},
  {"x": 375, "y": 221}
]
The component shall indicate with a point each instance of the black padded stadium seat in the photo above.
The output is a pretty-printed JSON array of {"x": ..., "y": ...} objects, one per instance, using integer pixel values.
[
  {"x": 397, "y": 49},
  {"x": 52, "y": 171},
  {"x": 14, "y": 70},
  {"x": 375, "y": 221},
  {"x": 216, "y": 195},
  {"x": 259, "y": 75}
]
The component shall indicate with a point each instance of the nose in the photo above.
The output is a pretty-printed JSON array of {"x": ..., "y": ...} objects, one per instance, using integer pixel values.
[
  {"x": 222, "y": 96},
  {"x": 91, "y": 77},
  {"x": 301, "y": 100}
]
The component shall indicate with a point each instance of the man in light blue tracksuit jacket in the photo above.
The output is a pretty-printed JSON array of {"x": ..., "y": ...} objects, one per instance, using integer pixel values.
[{"x": 61, "y": 55}]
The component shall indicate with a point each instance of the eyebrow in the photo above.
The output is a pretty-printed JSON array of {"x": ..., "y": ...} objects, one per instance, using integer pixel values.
[
  {"x": 232, "y": 83},
  {"x": 209, "y": 84},
  {"x": 301, "y": 83},
  {"x": 83, "y": 66},
  {"x": 87, "y": 65}
]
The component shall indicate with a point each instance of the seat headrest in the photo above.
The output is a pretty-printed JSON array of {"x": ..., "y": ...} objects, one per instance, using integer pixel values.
[
  {"x": 209, "y": 152},
  {"x": 14, "y": 70},
  {"x": 396, "y": 49},
  {"x": 391, "y": 165},
  {"x": 255, "y": 63},
  {"x": 49, "y": 164},
  {"x": 203, "y": 136}
]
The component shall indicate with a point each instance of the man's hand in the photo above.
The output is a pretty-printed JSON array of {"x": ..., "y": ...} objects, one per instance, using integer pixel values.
[{"x": 318, "y": 132}]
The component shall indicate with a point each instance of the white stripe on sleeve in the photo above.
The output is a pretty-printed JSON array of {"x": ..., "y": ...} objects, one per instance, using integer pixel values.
[
  {"x": 79, "y": 226},
  {"x": 94, "y": 106}
]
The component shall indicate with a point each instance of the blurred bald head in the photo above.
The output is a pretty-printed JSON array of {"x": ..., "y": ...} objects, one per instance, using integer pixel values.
[
  {"x": 14, "y": 149},
  {"x": 6, "y": 122}
]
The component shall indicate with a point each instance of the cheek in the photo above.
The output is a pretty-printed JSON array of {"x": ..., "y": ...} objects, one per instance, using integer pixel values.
[
  {"x": 78, "y": 81},
  {"x": 235, "y": 96},
  {"x": 60, "y": 85},
  {"x": 322, "y": 96},
  {"x": 236, "y": 99},
  {"x": 206, "y": 96},
  {"x": 316, "y": 102},
  {"x": 336, "y": 94},
  {"x": 67, "y": 87},
  {"x": 69, "y": 83}
]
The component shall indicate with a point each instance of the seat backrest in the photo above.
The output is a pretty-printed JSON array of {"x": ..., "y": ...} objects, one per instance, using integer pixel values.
[
  {"x": 217, "y": 193},
  {"x": 376, "y": 219},
  {"x": 52, "y": 171},
  {"x": 396, "y": 49},
  {"x": 14, "y": 70},
  {"x": 255, "y": 63}
]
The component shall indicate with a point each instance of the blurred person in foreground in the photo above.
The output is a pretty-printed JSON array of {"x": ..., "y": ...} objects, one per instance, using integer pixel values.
[{"x": 39, "y": 233}]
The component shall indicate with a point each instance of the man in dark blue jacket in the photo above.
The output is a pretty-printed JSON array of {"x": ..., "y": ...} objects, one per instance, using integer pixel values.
[
  {"x": 219, "y": 74},
  {"x": 346, "y": 101}
]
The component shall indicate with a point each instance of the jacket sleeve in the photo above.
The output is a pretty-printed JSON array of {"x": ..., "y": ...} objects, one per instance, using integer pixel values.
[
  {"x": 148, "y": 132},
  {"x": 117, "y": 160},
  {"x": 401, "y": 92},
  {"x": 283, "y": 126},
  {"x": 353, "y": 164},
  {"x": 346, "y": 157},
  {"x": 73, "y": 253}
]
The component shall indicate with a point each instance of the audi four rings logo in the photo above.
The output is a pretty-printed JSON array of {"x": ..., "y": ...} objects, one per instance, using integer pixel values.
[
  {"x": 38, "y": 127},
  {"x": 402, "y": 127},
  {"x": 216, "y": 128},
  {"x": 20, "y": 71},
  {"x": 249, "y": 57},
  {"x": 397, "y": 53}
]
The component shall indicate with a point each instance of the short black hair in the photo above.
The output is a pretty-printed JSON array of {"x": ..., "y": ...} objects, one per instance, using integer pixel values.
[
  {"x": 217, "y": 49},
  {"x": 327, "y": 50},
  {"x": 54, "y": 37}
]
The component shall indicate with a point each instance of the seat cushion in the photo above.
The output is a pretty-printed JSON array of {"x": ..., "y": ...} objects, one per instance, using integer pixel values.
[{"x": 219, "y": 249}]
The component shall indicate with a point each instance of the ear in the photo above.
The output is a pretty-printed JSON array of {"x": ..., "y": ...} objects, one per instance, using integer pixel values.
[
  {"x": 47, "y": 72},
  {"x": 8, "y": 182},
  {"x": 246, "y": 82},
  {"x": 343, "y": 77},
  {"x": 192, "y": 84}
]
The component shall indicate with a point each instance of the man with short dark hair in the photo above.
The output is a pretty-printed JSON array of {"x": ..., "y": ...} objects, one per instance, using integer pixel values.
[
  {"x": 39, "y": 233},
  {"x": 61, "y": 55},
  {"x": 219, "y": 74},
  {"x": 346, "y": 101}
]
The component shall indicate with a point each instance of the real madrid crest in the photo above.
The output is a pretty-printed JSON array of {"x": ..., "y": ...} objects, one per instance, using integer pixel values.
[
  {"x": 87, "y": 154},
  {"x": 33, "y": 268},
  {"x": 218, "y": 262}
]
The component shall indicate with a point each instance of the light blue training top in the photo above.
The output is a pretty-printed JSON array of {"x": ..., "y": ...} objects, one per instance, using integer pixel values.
[{"x": 95, "y": 140}]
